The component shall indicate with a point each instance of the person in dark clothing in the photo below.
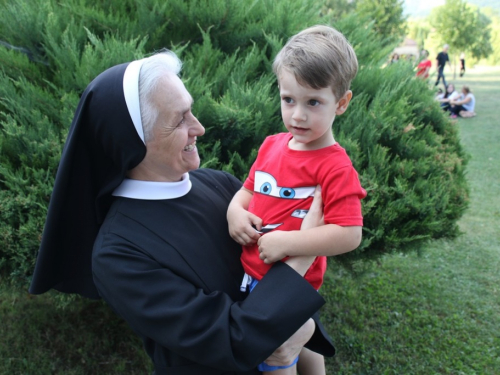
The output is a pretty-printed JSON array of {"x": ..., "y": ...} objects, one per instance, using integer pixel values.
[
  {"x": 135, "y": 221},
  {"x": 441, "y": 60},
  {"x": 449, "y": 95},
  {"x": 462, "y": 64}
]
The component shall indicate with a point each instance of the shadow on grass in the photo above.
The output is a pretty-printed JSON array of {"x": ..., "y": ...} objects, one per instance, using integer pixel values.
[{"x": 83, "y": 338}]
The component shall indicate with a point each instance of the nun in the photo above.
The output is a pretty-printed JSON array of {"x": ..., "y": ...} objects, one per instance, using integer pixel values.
[{"x": 135, "y": 221}]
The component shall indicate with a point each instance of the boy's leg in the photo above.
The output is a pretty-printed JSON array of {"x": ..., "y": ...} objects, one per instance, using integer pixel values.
[
  {"x": 283, "y": 371},
  {"x": 311, "y": 363}
]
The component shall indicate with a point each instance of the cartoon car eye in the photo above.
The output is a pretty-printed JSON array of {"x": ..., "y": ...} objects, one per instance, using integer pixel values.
[
  {"x": 266, "y": 188},
  {"x": 266, "y": 184},
  {"x": 287, "y": 193}
]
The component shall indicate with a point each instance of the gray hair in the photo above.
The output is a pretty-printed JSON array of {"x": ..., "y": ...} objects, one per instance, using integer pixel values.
[{"x": 152, "y": 72}]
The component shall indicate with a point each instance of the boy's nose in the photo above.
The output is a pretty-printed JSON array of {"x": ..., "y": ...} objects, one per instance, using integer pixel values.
[{"x": 299, "y": 114}]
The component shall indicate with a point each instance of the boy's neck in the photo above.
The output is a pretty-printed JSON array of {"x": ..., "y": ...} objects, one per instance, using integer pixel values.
[{"x": 298, "y": 146}]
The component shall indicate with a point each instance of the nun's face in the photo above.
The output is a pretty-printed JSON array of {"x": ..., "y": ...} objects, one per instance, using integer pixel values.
[{"x": 172, "y": 150}]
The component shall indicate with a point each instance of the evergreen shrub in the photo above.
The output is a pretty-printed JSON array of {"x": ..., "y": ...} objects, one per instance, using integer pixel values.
[{"x": 407, "y": 153}]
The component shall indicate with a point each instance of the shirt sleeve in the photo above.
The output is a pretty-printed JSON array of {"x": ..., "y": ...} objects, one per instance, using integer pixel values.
[
  {"x": 250, "y": 180},
  {"x": 342, "y": 194}
]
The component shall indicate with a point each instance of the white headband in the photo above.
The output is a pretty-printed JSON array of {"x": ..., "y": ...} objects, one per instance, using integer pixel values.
[{"x": 131, "y": 92}]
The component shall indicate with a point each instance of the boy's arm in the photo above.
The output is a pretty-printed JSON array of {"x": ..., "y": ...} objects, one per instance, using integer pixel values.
[
  {"x": 241, "y": 221},
  {"x": 329, "y": 239}
]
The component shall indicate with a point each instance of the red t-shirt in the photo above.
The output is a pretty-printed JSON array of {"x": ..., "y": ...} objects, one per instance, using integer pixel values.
[
  {"x": 283, "y": 182},
  {"x": 421, "y": 68}
]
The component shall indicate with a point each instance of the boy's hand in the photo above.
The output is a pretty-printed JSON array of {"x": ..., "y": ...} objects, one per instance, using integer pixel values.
[
  {"x": 273, "y": 246},
  {"x": 242, "y": 226}
]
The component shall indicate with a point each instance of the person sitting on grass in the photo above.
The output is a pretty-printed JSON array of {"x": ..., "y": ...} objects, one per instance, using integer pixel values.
[
  {"x": 449, "y": 95},
  {"x": 439, "y": 94},
  {"x": 463, "y": 106}
]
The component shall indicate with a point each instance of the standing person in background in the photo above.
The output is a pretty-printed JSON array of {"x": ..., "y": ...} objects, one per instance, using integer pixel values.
[
  {"x": 424, "y": 66},
  {"x": 441, "y": 60},
  {"x": 462, "y": 64}
]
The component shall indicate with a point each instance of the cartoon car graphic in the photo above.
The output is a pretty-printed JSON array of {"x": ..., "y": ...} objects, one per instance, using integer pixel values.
[{"x": 266, "y": 184}]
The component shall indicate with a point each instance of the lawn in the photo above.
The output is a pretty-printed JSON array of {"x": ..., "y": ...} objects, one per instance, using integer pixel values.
[{"x": 436, "y": 312}]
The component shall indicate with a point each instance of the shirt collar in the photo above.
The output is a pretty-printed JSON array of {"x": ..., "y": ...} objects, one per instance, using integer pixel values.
[{"x": 153, "y": 190}]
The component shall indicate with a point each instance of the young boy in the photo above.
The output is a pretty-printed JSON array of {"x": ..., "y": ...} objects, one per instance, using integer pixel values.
[{"x": 314, "y": 72}]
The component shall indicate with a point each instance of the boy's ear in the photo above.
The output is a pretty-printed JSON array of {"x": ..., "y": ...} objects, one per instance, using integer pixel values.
[{"x": 343, "y": 103}]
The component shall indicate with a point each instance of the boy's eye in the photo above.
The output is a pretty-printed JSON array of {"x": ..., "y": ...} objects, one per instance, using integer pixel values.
[
  {"x": 288, "y": 100},
  {"x": 313, "y": 102}
]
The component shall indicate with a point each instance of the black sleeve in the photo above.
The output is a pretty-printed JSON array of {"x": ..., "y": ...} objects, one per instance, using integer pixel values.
[
  {"x": 209, "y": 329},
  {"x": 320, "y": 342}
]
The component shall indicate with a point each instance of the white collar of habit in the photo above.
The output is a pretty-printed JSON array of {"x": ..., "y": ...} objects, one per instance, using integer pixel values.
[{"x": 153, "y": 190}]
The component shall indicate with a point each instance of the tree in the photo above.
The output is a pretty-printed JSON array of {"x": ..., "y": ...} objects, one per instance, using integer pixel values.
[
  {"x": 387, "y": 16},
  {"x": 494, "y": 16},
  {"x": 419, "y": 30},
  {"x": 337, "y": 9},
  {"x": 463, "y": 27}
]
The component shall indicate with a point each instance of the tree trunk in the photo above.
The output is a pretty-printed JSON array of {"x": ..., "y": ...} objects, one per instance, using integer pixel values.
[{"x": 454, "y": 66}]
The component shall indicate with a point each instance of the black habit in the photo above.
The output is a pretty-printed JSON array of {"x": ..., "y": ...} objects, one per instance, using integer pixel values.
[{"x": 168, "y": 267}]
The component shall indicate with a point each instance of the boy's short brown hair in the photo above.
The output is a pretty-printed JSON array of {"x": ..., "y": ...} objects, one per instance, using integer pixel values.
[{"x": 319, "y": 56}]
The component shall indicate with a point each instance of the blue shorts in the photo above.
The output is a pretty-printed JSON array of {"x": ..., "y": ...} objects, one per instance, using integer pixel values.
[{"x": 263, "y": 366}]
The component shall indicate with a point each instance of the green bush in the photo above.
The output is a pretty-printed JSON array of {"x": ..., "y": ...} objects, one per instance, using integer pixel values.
[{"x": 408, "y": 154}]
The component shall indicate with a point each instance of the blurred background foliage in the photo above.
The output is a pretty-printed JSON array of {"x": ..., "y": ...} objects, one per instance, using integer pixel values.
[
  {"x": 406, "y": 151},
  {"x": 471, "y": 27}
]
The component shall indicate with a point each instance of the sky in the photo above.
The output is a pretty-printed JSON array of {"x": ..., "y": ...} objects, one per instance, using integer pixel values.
[{"x": 420, "y": 7}]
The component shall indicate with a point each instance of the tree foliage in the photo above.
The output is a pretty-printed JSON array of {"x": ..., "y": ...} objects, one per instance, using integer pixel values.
[
  {"x": 337, "y": 9},
  {"x": 386, "y": 15},
  {"x": 406, "y": 151},
  {"x": 494, "y": 16},
  {"x": 463, "y": 27}
]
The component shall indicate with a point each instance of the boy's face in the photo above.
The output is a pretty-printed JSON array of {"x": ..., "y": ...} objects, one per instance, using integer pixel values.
[{"x": 308, "y": 113}]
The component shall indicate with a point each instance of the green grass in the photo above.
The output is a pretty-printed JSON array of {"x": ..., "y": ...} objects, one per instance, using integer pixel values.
[
  {"x": 437, "y": 312},
  {"x": 84, "y": 338}
]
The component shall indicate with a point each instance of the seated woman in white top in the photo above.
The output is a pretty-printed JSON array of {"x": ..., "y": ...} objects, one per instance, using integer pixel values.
[
  {"x": 467, "y": 102},
  {"x": 449, "y": 95}
]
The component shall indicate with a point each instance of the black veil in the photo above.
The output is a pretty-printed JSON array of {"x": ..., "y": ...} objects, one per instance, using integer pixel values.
[{"x": 104, "y": 142}]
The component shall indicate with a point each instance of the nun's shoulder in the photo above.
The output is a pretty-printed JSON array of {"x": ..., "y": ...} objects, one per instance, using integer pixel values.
[{"x": 215, "y": 178}]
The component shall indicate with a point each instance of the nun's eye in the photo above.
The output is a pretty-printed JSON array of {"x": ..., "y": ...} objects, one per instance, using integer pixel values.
[
  {"x": 266, "y": 188},
  {"x": 287, "y": 193}
]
